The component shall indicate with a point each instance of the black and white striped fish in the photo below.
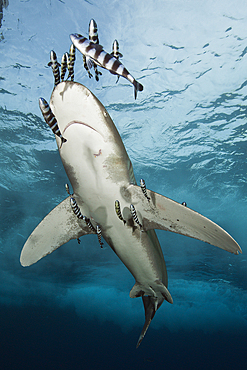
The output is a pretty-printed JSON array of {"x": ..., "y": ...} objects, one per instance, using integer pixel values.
[
  {"x": 103, "y": 59},
  {"x": 78, "y": 214},
  {"x": 89, "y": 224},
  {"x": 67, "y": 188},
  {"x": 88, "y": 62},
  {"x": 99, "y": 235},
  {"x": 144, "y": 189},
  {"x": 71, "y": 62},
  {"x": 55, "y": 67},
  {"x": 64, "y": 63},
  {"x": 134, "y": 215},
  {"x": 50, "y": 119},
  {"x": 76, "y": 208},
  {"x": 93, "y": 32},
  {"x": 118, "y": 211},
  {"x": 115, "y": 50}
]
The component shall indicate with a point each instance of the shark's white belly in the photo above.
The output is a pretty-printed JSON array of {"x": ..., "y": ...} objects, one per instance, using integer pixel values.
[{"x": 99, "y": 175}]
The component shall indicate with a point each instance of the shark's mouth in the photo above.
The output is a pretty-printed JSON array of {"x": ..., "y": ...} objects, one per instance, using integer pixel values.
[{"x": 78, "y": 123}]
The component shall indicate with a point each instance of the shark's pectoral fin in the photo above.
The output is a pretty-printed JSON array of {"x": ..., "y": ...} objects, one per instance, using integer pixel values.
[
  {"x": 163, "y": 213},
  {"x": 56, "y": 229}
]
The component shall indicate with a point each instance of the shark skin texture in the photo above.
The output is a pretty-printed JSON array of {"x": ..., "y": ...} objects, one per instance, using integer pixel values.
[{"x": 100, "y": 172}]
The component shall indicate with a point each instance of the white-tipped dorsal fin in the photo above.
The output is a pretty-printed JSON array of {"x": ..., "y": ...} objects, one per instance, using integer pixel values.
[
  {"x": 56, "y": 229},
  {"x": 166, "y": 214}
]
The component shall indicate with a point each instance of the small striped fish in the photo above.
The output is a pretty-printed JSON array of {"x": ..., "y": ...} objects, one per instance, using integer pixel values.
[
  {"x": 76, "y": 208},
  {"x": 89, "y": 224},
  {"x": 50, "y": 119},
  {"x": 134, "y": 215},
  {"x": 99, "y": 235},
  {"x": 115, "y": 50},
  {"x": 64, "y": 62},
  {"x": 55, "y": 67},
  {"x": 115, "y": 53},
  {"x": 71, "y": 62},
  {"x": 67, "y": 188},
  {"x": 103, "y": 59},
  {"x": 144, "y": 190},
  {"x": 93, "y": 37},
  {"x": 93, "y": 32},
  {"x": 118, "y": 211}
]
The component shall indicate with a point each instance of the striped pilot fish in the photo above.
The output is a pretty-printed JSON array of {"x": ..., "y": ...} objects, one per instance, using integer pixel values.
[
  {"x": 64, "y": 62},
  {"x": 99, "y": 235},
  {"x": 78, "y": 214},
  {"x": 88, "y": 62},
  {"x": 55, "y": 67},
  {"x": 103, "y": 59},
  {"x": 134, "y": 215},
  {"x": 71, "y": 62},
  {"x": 118, "y": 211},
  {"x": 115, "y": 50},
  {"x": 75, "y": 208},
  {"x": 93, "y": 32},
  {"x": 144, "y": 189},
  {"x": 50, "y": 119}
]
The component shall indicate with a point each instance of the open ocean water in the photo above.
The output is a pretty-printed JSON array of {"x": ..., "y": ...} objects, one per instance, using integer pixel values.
[{"x": 186, "y": 135}]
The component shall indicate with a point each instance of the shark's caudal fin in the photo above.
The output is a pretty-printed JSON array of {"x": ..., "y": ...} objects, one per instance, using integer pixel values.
[
  {"x": 56, "y": 229},
  {"x": 150, "y": 307},
  {"x": 163, "y": 213},
  {"x": 151, "y": 303}
]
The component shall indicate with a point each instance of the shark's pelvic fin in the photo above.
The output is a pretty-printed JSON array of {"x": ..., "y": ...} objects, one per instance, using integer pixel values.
[
  {"x": 166, "y": 214},
  {"x": 57, "y": 228},
  {"x": 139, "y": 291}
]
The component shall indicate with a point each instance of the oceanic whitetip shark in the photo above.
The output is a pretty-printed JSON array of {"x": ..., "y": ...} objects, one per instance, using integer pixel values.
[{"x": 106, "y": 200}]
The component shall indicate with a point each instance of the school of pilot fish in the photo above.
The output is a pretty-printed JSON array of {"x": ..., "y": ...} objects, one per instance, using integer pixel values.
[
  {"x": 94, "y": 56},
  {"x": 106, "y": 200}
]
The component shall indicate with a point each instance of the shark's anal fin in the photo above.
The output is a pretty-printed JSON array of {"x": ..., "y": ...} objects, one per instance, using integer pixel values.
[
  {"x": 56, "y": 229},
  {"x": 166, "y": 214}
]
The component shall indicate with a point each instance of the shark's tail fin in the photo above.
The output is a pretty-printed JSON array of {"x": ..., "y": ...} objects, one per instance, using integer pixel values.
[
  {"x": 150, "y": 309},
  {"x": 151, "y": 302},
  {"x": 138, "y": 87}
]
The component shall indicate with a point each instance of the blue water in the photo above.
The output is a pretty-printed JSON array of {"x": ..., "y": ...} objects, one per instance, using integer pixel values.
[{"x": 186, "y": 136}]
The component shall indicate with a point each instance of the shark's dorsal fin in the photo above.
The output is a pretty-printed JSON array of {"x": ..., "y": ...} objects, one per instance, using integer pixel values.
[
  {"x": 166, "y": 214},
  {"x": 57, "y": 228}
]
